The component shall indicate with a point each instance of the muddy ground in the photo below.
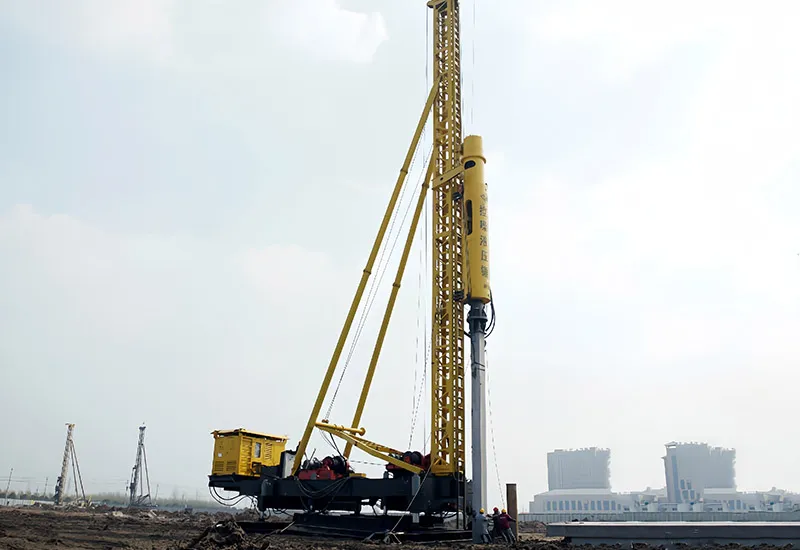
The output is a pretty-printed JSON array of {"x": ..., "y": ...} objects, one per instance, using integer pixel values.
[
  {"x": 39, "y": 529},
  {"x": 104, "y": 529}
]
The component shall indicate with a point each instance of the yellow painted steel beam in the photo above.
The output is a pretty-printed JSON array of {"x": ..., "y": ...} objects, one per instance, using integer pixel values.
[
  {"x": 339, "y": 427},
  {"x": 375, "y": 449},
  {"x": 387, "y": 316},
  {"x": 447, "y": 176},
  {"x": 326, "y": 382}
]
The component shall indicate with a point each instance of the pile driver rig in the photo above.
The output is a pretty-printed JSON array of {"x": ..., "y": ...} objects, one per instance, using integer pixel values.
[
  {"x": 62, "y": 485},
  {"x": 429, "y": 486},
  {"x": 140, "y": 477}
]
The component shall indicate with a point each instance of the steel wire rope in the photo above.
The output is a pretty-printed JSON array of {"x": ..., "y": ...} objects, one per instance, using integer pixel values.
[
  {"x": 415, "y": 413},
  {"x": 393, "y": 219},
  {"x": 376, "y": 283},
  {"x": 427, "y": 341},
  {"x": 417, "y": 395},
  {"x": 413, "y": 498},
  {"x": 491, "y": 431},
  {"x": 383, "y": 264},
  {"x": 367, "y": 462},
  {"x": 408, "y": 209},
  {"x": 422, "y": 387},
  {"x": 405, "y": 215},
  {"x": 426, "y": 348},
  {"x": 424, "y": 254},
  {"x": 371, "y": 295},
  {"x": 329, "y": 440},
  {"x": 416, "y": 348},
  {"x": 367, "y": 307},
  {"x": 472, "y": 82}
]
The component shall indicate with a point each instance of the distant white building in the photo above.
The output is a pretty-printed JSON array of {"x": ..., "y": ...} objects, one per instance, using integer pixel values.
[
  {"x": 579, "y": 469},
  {"x": 699, "y": 478},
  {"x": 600, "y": 501},
  {"x": 731, "y": 500},
  {"x": 580, "y": 500},
  {"x": 690, "y": 468}
]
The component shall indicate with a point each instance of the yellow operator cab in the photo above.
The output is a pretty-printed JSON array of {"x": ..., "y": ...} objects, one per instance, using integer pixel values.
[{"x": 242, "y": 452}]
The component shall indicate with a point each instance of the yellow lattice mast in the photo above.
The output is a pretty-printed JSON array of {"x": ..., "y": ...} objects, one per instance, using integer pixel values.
[{"x": 447, "y": 339}]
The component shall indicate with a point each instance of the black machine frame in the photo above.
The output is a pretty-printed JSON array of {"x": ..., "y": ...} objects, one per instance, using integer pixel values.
[{"x": 434, "y": 496}]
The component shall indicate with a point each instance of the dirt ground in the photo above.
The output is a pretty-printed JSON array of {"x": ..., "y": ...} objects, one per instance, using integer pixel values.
[
  {"x": 104, "y": 529},
  {"x": 35, "y": 529}
]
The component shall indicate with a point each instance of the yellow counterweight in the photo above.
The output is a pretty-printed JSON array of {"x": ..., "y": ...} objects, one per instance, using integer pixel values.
[{"x": 476, "y": 221}]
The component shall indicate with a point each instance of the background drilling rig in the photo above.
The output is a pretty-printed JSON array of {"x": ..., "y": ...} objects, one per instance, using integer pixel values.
[
  {"x": 139, "y": 487},
  {"x": 70, "y": 458}
]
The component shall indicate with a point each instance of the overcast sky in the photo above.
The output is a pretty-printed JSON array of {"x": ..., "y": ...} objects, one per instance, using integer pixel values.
[{"x": 189, "y": 190}]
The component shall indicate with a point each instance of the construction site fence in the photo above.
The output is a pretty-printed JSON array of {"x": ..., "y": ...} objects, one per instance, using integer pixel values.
[{"x": 662, "y": 516}]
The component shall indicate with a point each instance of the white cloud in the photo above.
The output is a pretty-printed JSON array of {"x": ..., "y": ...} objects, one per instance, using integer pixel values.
[
  {"x": 289, "y": 275},
  {"x": 144, "y": 318},
  {"x": 327, "y": 30},
  {"x": 162, "y": 31},
  {"x": 134, "y": 24},
  {"x": 714, "y": 205},
  {"x": 108, "y": 273},
  {"x": 142, "y": 27},
  {"x": 699, "y": 242},
  {"x": 631, "y": 34}
]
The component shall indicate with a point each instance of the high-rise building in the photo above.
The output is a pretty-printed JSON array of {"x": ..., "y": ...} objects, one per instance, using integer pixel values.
[
  {"x": 722, "y": 471},
  {"x": 690, "y": 468},
  {"x": 579, "y": 469}
]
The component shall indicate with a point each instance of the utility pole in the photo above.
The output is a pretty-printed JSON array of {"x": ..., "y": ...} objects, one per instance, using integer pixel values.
[{"x": 137, "y": 494}]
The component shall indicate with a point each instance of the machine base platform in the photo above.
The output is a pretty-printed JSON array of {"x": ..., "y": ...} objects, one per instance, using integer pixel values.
[
  {"x": 434, "y": 496},
  {"x": 358, "y": 527}
]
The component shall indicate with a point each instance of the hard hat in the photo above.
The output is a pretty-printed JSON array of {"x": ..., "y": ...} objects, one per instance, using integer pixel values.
[
  {"x": 483, "y": 511},
  {"x": 504, "y": 510},
  {"x": 495, "y": 509}
]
